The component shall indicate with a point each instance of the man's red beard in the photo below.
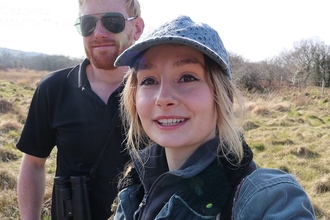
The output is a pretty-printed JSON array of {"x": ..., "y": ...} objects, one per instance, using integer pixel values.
[
  {"x": 105, "y": 60},
  {"x": 102, "y": 59}
]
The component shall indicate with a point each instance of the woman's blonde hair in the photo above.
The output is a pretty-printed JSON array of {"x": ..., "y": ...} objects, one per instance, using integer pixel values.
[
  {"x": 132, "y": 6},
  {"x": 224, "y": 93}
]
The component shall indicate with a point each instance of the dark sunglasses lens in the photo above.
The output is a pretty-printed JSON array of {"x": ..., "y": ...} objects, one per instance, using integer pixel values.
[
  {"x": 87, "y": 25},
  {"x": 114, "y": 22}
]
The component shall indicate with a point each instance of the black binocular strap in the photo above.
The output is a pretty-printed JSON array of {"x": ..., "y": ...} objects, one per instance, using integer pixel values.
[{"x": 97, "y": 162}]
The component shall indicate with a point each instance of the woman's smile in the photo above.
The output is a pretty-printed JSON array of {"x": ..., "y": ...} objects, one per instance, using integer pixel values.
[{"x": 170, "y": 122}]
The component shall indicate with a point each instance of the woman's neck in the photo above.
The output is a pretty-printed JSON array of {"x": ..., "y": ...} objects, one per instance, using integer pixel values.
[{"x": 177, "y": 157}]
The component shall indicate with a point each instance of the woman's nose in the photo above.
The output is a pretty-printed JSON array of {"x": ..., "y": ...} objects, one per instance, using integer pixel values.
[{"x": 166, "y": 96}]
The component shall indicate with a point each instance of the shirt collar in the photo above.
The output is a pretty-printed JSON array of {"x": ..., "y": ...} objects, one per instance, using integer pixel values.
[{"x": 77, "y": 76}]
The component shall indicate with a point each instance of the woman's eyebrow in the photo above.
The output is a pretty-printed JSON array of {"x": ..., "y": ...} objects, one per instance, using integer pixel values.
[
  {"x": 145, "y": 66},
  {"x": 188, "y": 60}
]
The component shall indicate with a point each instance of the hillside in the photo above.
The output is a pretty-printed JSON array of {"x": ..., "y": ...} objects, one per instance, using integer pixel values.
[
  {"x": 287, "y": 129},
  {"x": 23, "y": 60},
  {"x": 17, "y": 53}
]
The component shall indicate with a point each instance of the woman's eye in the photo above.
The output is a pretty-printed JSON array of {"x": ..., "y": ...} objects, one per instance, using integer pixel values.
[
  {"x": 148, "y": 81},
  {"x": 187, "y": 78}
]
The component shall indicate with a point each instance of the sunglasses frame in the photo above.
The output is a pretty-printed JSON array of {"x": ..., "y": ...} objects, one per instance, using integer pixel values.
[{"x": 108, "y": 14}]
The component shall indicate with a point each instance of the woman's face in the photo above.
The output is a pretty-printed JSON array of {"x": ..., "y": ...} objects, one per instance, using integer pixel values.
[{"x": 173, "y": 99}]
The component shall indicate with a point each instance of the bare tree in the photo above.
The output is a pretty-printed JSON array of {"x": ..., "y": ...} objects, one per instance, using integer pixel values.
[
  {"x": 322, "y": 66},
  {"x": 254, "y": 76},
  {"x": 243, "y": 72},
  {"x": 307, "y": 62}
]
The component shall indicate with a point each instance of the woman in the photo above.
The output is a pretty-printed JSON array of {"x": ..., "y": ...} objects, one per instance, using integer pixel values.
[{"x": 179, "y": 96}]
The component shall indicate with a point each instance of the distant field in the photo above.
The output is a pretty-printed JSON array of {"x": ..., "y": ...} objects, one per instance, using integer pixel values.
[{"x": 287, "y": 129}]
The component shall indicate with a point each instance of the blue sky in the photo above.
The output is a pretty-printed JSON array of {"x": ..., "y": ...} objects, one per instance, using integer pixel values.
[{"x": 255, "y": 29}]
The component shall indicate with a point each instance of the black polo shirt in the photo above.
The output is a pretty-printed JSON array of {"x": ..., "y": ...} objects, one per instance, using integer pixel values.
[{"x": 66, "y": 113}]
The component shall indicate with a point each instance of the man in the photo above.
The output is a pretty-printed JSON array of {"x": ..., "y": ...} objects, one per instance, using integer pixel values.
[{"x": 76, "y": 110}]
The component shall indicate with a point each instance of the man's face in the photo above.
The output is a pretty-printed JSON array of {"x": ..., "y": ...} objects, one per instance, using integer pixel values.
[{"x": 102, "y": 46}]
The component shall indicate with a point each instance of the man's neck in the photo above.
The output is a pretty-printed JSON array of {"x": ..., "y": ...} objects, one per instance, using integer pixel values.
[{"x": 105, "y": 82}]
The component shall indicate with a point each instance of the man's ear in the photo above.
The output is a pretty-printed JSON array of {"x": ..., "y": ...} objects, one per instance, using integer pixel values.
[{"x": 139, "y": 27}]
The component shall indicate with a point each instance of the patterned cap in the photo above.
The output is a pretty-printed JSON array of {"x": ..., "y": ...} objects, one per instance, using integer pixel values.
[{"x": 181, "y": 30}]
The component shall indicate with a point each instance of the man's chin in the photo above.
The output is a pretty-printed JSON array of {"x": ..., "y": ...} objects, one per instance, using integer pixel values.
[
  {"x": 104, "y": 62},
  {"x": 103, "y": 66}
]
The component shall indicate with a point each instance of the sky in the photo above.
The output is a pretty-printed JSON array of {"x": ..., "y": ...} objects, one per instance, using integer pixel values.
[{"x": 254, "y": 29}]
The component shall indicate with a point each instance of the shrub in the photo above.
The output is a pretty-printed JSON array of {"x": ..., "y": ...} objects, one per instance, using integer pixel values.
[{"x": 5, "y": 106}]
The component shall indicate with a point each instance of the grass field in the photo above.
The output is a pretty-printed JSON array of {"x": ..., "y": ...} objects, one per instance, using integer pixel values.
[{"x": 288, "y": 129}]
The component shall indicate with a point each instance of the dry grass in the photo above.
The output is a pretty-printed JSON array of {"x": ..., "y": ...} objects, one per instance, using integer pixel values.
[
  {"x": 288, "y": 129},
  {"x": 23, "y": 77},
  {"x": 16, "y": 90}
]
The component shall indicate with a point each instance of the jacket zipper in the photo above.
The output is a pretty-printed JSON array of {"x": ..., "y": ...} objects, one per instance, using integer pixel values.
[
  {"x": 138, "y": 212},
  {"x": 144, "y": 201}
]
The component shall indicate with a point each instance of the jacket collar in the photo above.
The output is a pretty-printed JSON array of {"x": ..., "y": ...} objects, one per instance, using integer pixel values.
[
  {"x": 154, "y": 162},
  {"x": 205, "y": 182}
]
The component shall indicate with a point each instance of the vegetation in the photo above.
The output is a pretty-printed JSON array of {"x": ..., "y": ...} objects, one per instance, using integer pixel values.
[
  {"x": 307, "y": 64},
  {"x": 287, "y": 120},
  {"x": 20, "y": 60},
  {"x": 288, "y": 129}
]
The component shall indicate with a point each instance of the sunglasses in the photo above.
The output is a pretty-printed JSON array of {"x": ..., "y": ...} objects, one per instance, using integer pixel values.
[{"x": 112, "y": 21}]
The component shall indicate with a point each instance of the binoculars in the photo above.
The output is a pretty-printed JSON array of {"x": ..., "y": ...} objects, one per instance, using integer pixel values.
[{"x": 72, "y": 199}]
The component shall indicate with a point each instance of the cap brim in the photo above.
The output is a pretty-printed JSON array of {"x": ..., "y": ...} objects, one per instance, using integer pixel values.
[{"x": 129, "y": 56}]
